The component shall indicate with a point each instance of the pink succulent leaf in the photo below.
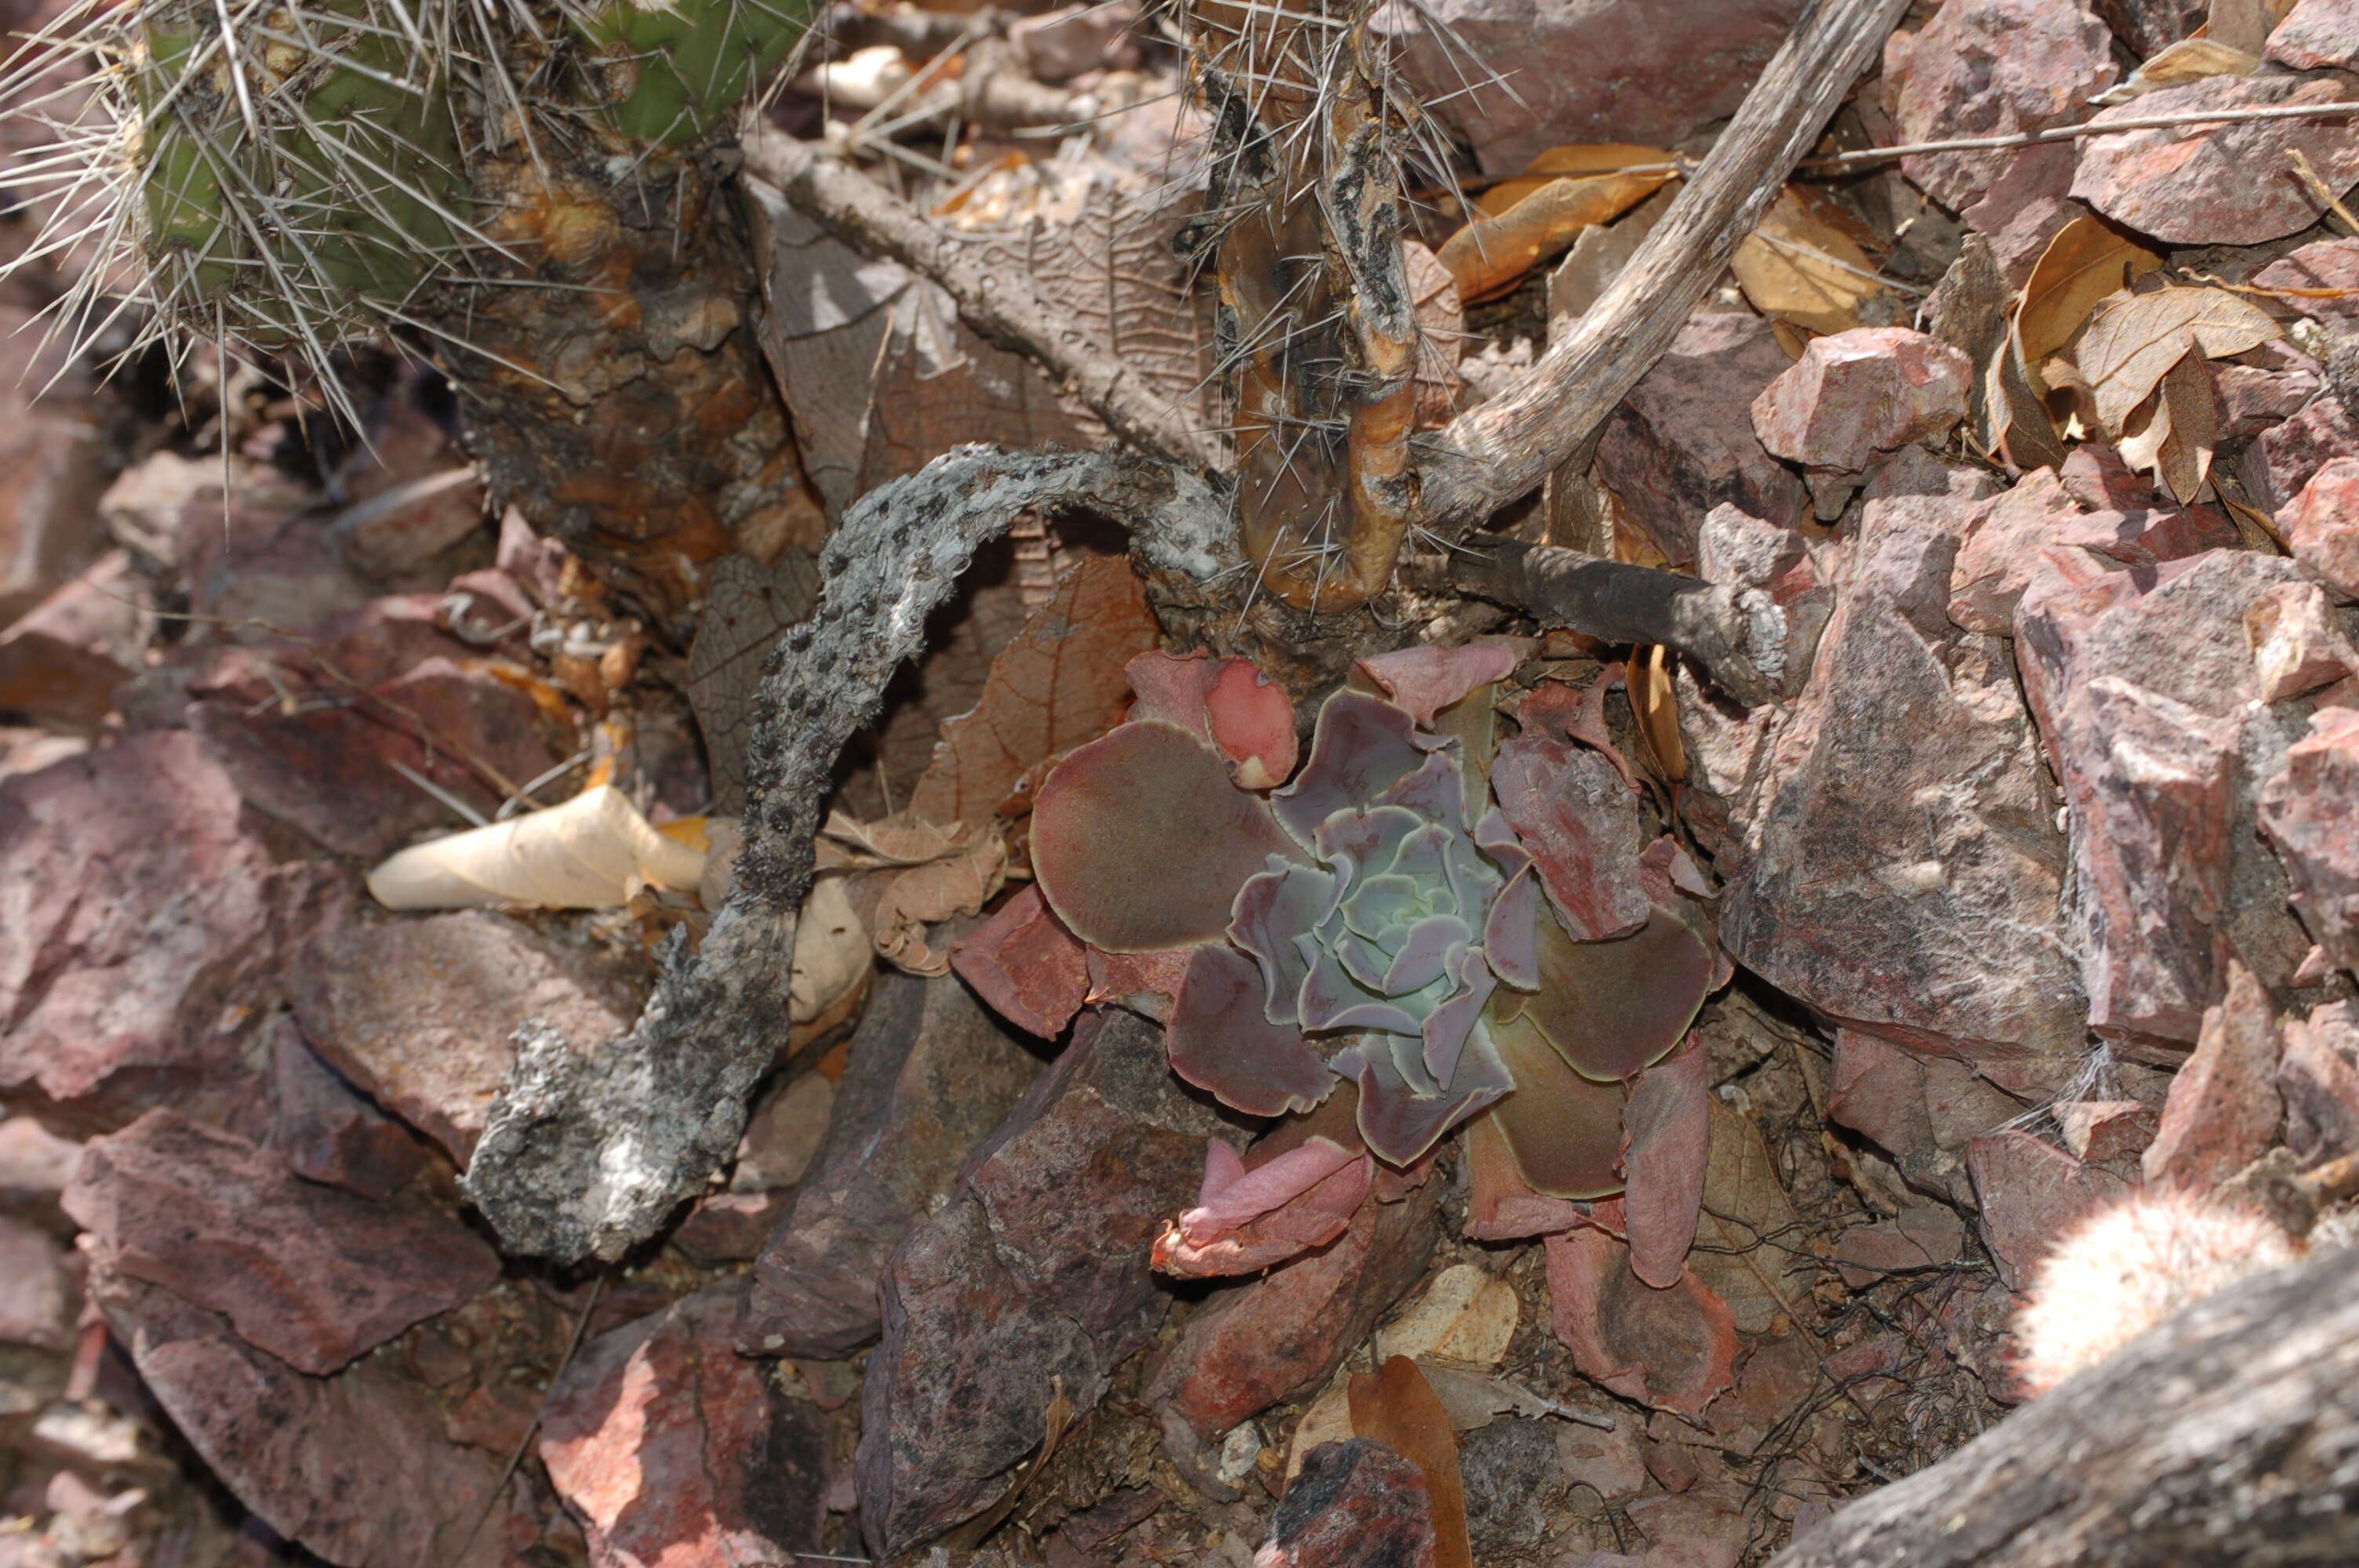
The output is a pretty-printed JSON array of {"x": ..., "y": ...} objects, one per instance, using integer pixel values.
[
  {"x": 1560, "y": 712},
  {"x": 1427, "y": 954},
  {"x": 1332, "y": 1000},
  {"x": 1664, "y": 866},
  {"x": 1564, "y": 1131},
  {"x": 1668, "y": 1129},
  {"x": 1611, "y": 1007},
  {"x": 1674, "y": 1349},
  {"x": 1364, "y": 842},
  {"x": 1220, "y": 1041},
  {"x": 1026, "y": 965},
  {"x": 1228, "y": 702},
  {"x": 1231, "y": 1195},
  {"x": 1450, "y": 1024},
  {"x": 1273, "y": 911},
  {"x": 1425, "y": 680},
  {"x": 1147, "y": 794},
  {"x": 1500, "y": 1206},
  {"x": 1397, "y": 1124},
  {"x": 1511, "y": 933},
  {"x": 1362, "y": 747},
  {"x": 1581, "y": 826},
  {"x": 1311, "y": 1218}
]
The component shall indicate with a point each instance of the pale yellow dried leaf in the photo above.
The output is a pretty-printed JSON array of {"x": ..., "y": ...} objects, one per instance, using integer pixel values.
[
  {"x": 582, "y": 854},
  {"x": 1466, "y": 1316},
  {"x": 2175, "y": 65},
  {"x": 1804, "y": 263},
  {"x": 832, "y": 951},
  {"x": 2133, "y": 340}
]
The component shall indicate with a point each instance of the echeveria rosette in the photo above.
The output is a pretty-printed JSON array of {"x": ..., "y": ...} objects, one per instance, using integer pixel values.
[{"x": 1375, "y": 923}]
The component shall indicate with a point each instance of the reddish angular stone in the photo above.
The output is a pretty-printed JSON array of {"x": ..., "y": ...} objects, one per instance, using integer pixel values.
[
  {"x": 418, "y": 1012},
  {"x": 2284, "y": 459},
  {"x": 2025, "y": 207},
  {"x": 35, "y": 1166},
  {"x": 2149, "y": 27},
  {"x": 1581, "y": 822},
  {"x": 2224, "y": 1107},
  {"x": 1922, "y": 1110},
  {"x": 2298, "y": 646},
  {"x": 312, "y": 1275},
  {"x": 1035, "y": 1269},
  {"x": 356, "y": 1468},
  {"x": 2319, "y": 1077},
  {"x": 52, "y": 469},
  {"x": 731, "y": 1228},
  {"x": 143, "y": 929},
  {"x": 2321, "y": 265},
  {"x": 1986, "y": 67},
  {"x": 2107, "y": 1132},
  {"x": 2144, "y": 687},
  {"x": 2218, "y": 184},
  {"x": 2317, "y": 35},
  {"x": 1859, "y": 393},
  {"x": 2307, "y": 812},
  {"x": 327, "y": 1133},
  {"x": 676, "y": 1453},
  {"x": 1898, "y": 864},
  {"x": 2322, "y": 527},
  {"x": 1922, "y": 1236},
  {"x": 39, "y": 1302},
  {"x": 2006, "y": 539},
  {"x": 929, "y": 1075},
  {"x": 2030, "y": 1194},
  {"x": 1355, "y": 1505},
  {"x": 1649, "y": 71},
  {"x": 1258, "y": 1343},
  {"x": 1682, "y": 441}
]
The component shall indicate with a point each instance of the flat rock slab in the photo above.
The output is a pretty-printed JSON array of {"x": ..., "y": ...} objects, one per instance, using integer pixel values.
[
  {"x": 2031, "y": 1194},
  {"x": 418, "y": 1012},
  {"x": 930, "y": 1074},
  {"x": 2311, "y": 812},
  {"x": 676, "y": 1453},
  {"x": 1991, "y": 68},
  {"x": 143, "y": 929},
  {"x": 309, "y": 1274},
  {"x": 1034, "y": 1277}
]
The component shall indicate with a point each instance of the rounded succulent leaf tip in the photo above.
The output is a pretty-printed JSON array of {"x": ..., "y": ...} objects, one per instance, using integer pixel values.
[
  {"x": 1614, "y": 1008},
  {"x": 1564, "y": 1131}
]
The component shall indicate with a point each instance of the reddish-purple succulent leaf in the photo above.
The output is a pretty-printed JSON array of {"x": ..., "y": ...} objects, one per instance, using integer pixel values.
[
  {"x": 1231, "y": 1195},
  {"x": 1220, "y": 1041},
  {"x": 1564, "y": 1131},
  {"x": 1311, "y": 1218},
  {"x": 1273, "y": 913},
  {"x": 1362, "y": 747},
  {"x": 1398, "y": 1124},
  {"x": 1511, "y": 937},
  {"x": 1330, "y": 999},
  {"x": 1435, "y": 945},
  {"x": 1026, "y": 965},
  {"x": 1674, "y": 1349},
  {"x": 1425, "y": 680},
  {"x": 1612, "y": 1008},
  {"x": 1227, "y": 701},
  {"x": 1435, "y": 790},
  {"x": 1557, "y": 710},
  {"x": 1500, "y": 1204},
  {"x": 1140, "y": 842},
  {"x": 1668, "y": 1127},
  {"x": 1364, "y": 841},
  {"x": 1581, "y": 825}
]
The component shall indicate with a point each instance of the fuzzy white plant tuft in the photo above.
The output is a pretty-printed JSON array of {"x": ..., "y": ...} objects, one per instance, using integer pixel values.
[{"x": 2129, "y": 1267}]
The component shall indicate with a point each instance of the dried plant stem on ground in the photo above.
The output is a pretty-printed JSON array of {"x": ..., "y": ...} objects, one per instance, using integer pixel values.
[{"x": 2229, "y": 1436}]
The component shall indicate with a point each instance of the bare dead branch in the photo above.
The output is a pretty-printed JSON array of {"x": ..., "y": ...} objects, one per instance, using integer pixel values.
[
  {"x": 1492, "y": 455},
  {"x": 2228, "y": 1435},
  {"x": 1004, "y": 308}
]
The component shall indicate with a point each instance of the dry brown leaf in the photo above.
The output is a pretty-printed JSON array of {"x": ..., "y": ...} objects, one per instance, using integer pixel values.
[
  {"x": 2172, "y": 436},
  {"x": 1396, "y": 1407},
  {"x": 1577, "y": 160},
  {"x": 2189, "y": 59},
  {"x": 1059, "y": 683},
  {"x": 1804, "y": 263},
  {"x": 1748, "y": 1249},
  {"x": 2135, "y": 339},
  {"x": 1656, "y": 702},
  {"x": 1466, "y": 1315},
  {"x": 1527, "y": 220},
  {"x": 747, "y": 608},
  {"x": 2084, "y": 262},
  {"x": 902, "y": 874}
]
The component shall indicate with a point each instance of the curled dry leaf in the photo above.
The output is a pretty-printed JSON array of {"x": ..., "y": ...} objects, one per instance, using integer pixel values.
[
  {"x": 832, "y": 958},
  {"x": 2172, "y": 435},
  {"x": 1523, "y": 221},
  {"x": 2175, "y": 65},
  {"x": 584, "y": 854},
  {"x": 1396, "y": 1407},
  {"x": 905, "y": 873},
  {"x": 1674, "y": 1349},
  {"x": 1804, "y": 263},
  {"x": 1668, "y": 1128},
  {"x": 1467, "y": 1317},
  {"x": 2084, "y": 262},
  {"x": 1475, "y": 1400},
  {"x": 2133, "y": 342}
]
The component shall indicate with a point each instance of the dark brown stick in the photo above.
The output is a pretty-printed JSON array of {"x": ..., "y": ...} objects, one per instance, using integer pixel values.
[
  {"x": 1490, "y": 456},
  {"x": 1004, "y": 308},
  {"x": 2228, "y": 1435}
]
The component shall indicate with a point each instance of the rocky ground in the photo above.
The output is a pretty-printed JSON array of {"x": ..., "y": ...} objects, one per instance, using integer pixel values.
[{"x": 2039, "y": 882}]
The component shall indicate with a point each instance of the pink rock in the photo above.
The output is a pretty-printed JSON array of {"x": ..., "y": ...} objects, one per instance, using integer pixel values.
[
  {"x": 2141, "y": 682},
  {"x": 2107, "y": 1131},
  {"x": 1991, "y": 68},
  {"x": 1923, "y": 1236},
  {"x": 107, "y": 610},
  {"x": 2317, "y": 35},
  {"x": 1258, "y": 1343},
  {"x": 1601, "y": 71},
  {"x": 2319, "y": 1077},
  {"x": 2149, "y": 25},
  {"x": 2004, "y": 541},
  {"x": 2324, "y": 526},
  {"x": 929, "y": 1074},
  {"x": 1856, "y": 393},
  {"x": 1035, "y": 1269},
  {"x": 2218, "y": 184},
  {"x": 2224, "y": 1108},
  {"x": 52, "y": 469},
  {"x": 2030, "y": 1194},
  {"x": 35, "y": 1165},
  {"x": 327, "y": 1133},
  {"x": 1922, "y": 1110},
  {"x": 731, "y": 1228},
  {"x": 1682, "y": 442},
  {"x": 312, "y": 1275},
  {"x": 357, "y": 1468},
  {"x": 1893, "y": 867},
  {"x": 39, "y": 1302},
  {"x": 2285, "y": 458},
  {"x": 2251, "y": 398},
  {"x": 2319, "y": 264},
  {"x": 675, "y": 1453},
  {"x": 2305, "y": 810},
  {"x": 418, "y": 1012},
  {"x": 1356, "y": 1503},
  {"x": 143, "y": 927},
  {"x": 2297, "y": 644},
  {"x": 2025, "y": 208},
  {"x": 1582, "y": 824}
]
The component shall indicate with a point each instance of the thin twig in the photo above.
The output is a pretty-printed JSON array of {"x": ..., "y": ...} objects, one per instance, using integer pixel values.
[
  {"x": 2090, "y": 128},
  {"x": 2320, "y": 190}
]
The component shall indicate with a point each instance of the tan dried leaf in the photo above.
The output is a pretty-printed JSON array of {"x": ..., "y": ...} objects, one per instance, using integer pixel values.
[
  {"x": 584, "y": 854},
  {"x": 1527, "y": 220},
  {"x": 2173, "y": 434},
  {"x": 1466, "y": 1316},
  {"x": 907, "y": 873},
  {"x": 747, "y": 608},
  {"x": 1805, "y": 263},
  {"x": 2084, "y": 262},
  {"x": 2175, "y": 65},
  {"x": 2133, "y": 340},
  {"x": 1748, "y": 1249}
]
